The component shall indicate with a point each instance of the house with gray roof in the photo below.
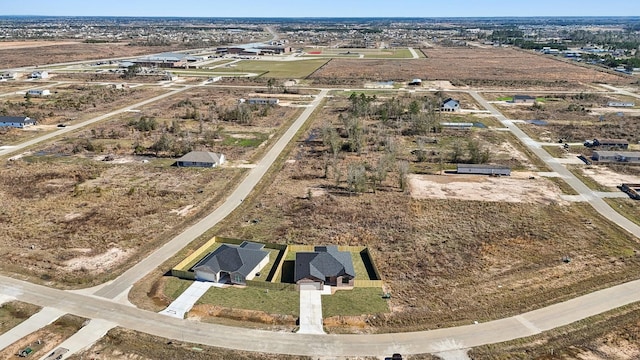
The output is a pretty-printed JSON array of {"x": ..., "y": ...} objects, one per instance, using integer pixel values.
[
  {"x": 200, "y": 159},
  {"x": 233, "y": 264},
  {"x": 450, "y": 105},
  {"x": 324, "y": 266},
  {"x": 16, "y": 121}
]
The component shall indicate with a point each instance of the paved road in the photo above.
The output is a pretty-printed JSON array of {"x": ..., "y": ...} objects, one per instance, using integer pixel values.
[
  {"x": 434, "y": 341},
  {"x": 85, "y": 337},
  {"x": 138, "y": 271},
  {"x": 62, "y": 131},
  {"x": 414, "y": 54},
  {"x": 588, "y": 195}
]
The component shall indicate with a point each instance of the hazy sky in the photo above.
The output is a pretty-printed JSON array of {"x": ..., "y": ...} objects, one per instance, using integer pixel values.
[{"x": 322, "y": 8}]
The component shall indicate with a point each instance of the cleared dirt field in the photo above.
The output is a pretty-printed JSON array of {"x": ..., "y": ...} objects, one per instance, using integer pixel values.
[
  {"x": 506, "y": 68},
  {"x": 517, "y": 188},
  {"x": 63, "y": 53}
]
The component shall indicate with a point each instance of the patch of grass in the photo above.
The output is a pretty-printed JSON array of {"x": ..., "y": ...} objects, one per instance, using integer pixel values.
[
  {"x": 174, "y": 287},
  {"x": 359, "y": 267},
  {"x": 359, "y": 301},
  {"x": 564, "y": 187},
  {"x": 255, "y": 141},
  {"x": 626, "y": 207},
  {"x": 505, "y": 98},
  {"x": 555, "y": 151},
  {"x": 13, "y": 313},
  {"x": 269, "y": 301},
  {"x": 390, "y": 54},
  {"x": 277, "y": 69}
]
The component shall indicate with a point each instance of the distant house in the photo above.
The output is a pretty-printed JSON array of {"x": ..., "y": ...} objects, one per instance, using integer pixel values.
[
  {"x": 9, "y": 75},
  {"x": 324, "y": 266},
  {"x": 39, "y": 75},
  {"x": 39, "y": 92},
  {"x": 621, "y": 144},
  {"x": 450, "y": 105},
  {"x": 16, "y": 121},
  {"x": 620, "y": 104},
  {"x": 523, "y": 99},
  {"x": 263, "y": 101},
  {"x": 200, "y": 159},
  {"x": 415, "y": 82},
  {"x": 484, "y": 169},
  {"x": 166, "y": 60},
  {"x": 232, "y": 263},
  {"x": 616, "y": 156}
]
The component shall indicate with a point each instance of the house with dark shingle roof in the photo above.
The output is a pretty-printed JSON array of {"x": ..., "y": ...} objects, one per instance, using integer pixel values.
[
  {"x": 233, "y": 264},
  {"x": 200, "y": 159},
  {"x": 16, "y": 121},
  {"x": 326, "y": 266}
]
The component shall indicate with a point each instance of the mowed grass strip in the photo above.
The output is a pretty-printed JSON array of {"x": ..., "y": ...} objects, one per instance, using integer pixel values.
[
  {"x": 359, "y": 301},
  {"x": 269, "y": 301},
  {"x": 276, "y": 69}
]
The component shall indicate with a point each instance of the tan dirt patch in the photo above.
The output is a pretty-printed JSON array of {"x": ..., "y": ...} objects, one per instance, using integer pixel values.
[
  {"x": 516, "y": 188},
  {"x": 607, "y": 177},
  {"x": 100, "y": 262}
]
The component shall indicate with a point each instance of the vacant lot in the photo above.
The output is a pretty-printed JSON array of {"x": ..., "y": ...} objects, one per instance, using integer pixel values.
[
  {"x": 62, "y": 53},
  {"x": 46, "y": 339},
  {"x": 612, "y": 335},
  {"x": 122, "y": 344},
  {"x": 515, "y": 188},
  {"x": 468, "y": 66},
  {"x": 14, "y": 312}
]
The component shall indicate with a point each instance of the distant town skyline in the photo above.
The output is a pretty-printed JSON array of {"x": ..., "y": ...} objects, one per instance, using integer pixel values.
[{"x": 326, "y": 8}]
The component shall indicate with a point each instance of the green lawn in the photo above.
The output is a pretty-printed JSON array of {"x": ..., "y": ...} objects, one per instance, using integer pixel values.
[
  {"x": 390, "y": 54},
  {"x": 272, "y": 302},
  {"x": 253, "y": 140},
  {"x": 358, "y": 301},
  {"x": 276, "y": 69}
]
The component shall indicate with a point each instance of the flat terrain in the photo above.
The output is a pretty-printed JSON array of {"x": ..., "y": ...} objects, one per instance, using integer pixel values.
[
  {"x": 63, "y": 53},
  {"x": 275, "y": 69},
  {"x": 490, "y": 68}
]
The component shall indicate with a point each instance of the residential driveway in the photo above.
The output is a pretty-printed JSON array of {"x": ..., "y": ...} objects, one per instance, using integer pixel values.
[
  {"x": 187, "y": 299},
  {"x": 311, "y": 309},
  {"x": 85, "y": 337},
  {"x": 38, "y": 320}
]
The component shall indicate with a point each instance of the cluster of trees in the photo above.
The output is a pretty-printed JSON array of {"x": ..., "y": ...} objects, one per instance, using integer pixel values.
[{"x": 408, "y": 116}]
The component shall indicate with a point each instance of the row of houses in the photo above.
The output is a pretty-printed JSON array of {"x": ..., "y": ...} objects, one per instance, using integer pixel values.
[
  {"x": 632, "y": 157},
  {"x": 237, "y": 264}
]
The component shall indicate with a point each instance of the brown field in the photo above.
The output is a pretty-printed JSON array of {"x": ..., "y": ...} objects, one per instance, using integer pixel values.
[
  {"x": 67, "y": 104},
  {"x": 136, "y": 197},
  {"x": 45, "y": 55},
  {"x": 445, "y": 261},
  {"x": 33, "y": 44},
  {"x": 506, "y": 68}
]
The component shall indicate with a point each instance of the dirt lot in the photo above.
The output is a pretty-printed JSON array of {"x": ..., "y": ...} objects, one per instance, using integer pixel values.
[
  {"x": 46, "y": 339},
  {"x": 14, "y": 312},
  {"x": 608, "y": 177},
  {"x": 121, "y": 344},
  {"x": 63, "y": 53},
  {"x": 516, "y": 188},
  {"x": 505, "y": 68},
  {"x": 612, "y": 335}
]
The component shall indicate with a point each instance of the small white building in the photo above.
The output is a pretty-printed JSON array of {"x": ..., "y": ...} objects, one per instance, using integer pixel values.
[
  {"x": 620, "y": 104},
  {"x": 483, "y": 169},
  {"x": 39, "y": 75},
  {"x": 450, "y": 105},
  {"x": 9, "y": 75},
  {"x": 39, "y": 92}
]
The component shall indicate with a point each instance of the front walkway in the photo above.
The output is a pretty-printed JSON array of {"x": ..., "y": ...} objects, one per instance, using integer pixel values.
[
  {"x": 311, "y": 309},
  {"x": 180, "y": 306}
]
